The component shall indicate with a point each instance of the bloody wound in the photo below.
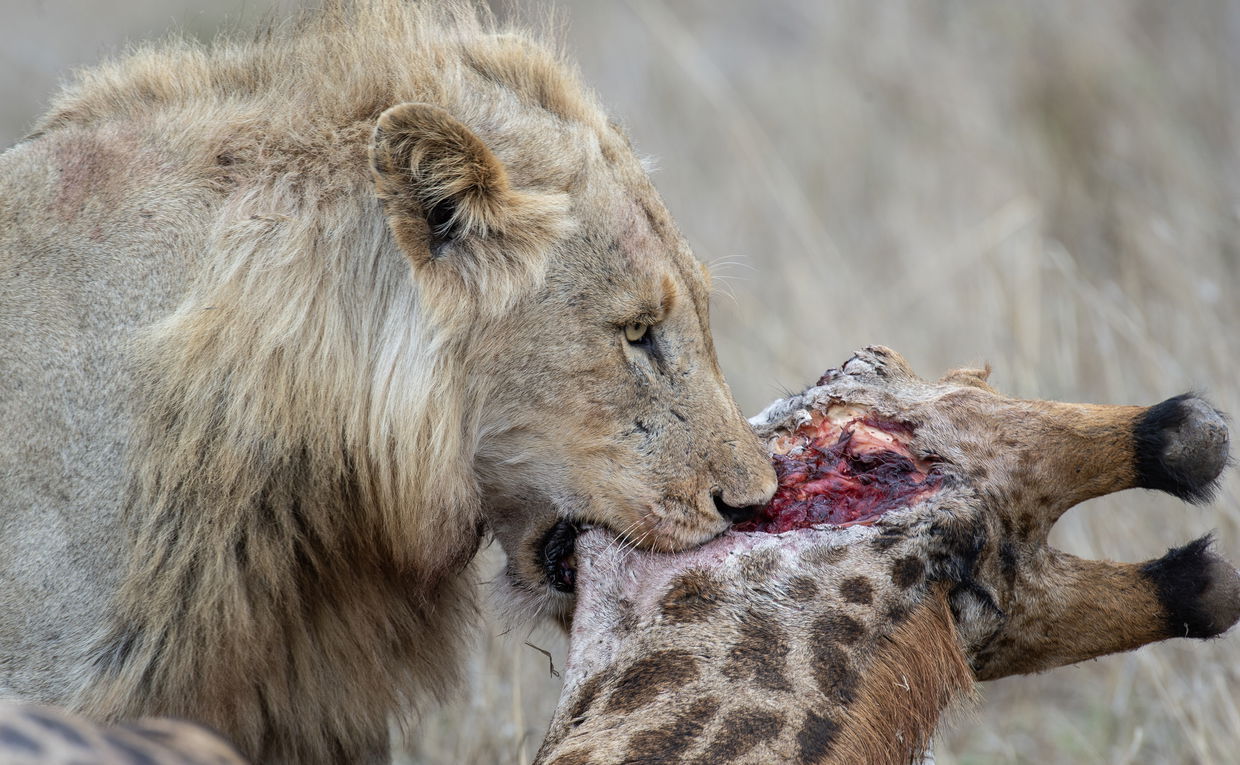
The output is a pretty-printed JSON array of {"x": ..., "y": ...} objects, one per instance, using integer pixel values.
[{"x": 844, "y": 467}]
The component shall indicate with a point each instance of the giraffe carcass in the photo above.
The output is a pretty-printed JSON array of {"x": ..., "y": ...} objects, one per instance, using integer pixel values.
[{"x": 904, "y": 555}]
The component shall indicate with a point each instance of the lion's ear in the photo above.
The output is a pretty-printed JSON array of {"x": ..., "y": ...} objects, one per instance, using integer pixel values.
[{"x": 438, "y": 181}]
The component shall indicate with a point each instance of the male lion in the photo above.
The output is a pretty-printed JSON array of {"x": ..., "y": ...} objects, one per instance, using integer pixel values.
[{"x": 282, "y": 321}]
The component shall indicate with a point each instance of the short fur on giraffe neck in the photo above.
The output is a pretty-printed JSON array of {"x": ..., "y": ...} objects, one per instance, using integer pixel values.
[{"x": 844, "y": 644}]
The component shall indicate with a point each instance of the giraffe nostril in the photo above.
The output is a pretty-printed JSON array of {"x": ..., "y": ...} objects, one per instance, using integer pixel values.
[
  {"x": 1181, "y": 448},
  {"x": 735, "y": 514}
]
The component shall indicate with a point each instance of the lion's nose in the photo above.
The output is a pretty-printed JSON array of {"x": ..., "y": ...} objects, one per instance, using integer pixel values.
[{"x": 735, "y": 514}]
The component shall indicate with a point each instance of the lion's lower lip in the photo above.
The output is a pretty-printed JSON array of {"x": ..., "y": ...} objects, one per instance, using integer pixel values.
[{"x": 557, "y": 553}]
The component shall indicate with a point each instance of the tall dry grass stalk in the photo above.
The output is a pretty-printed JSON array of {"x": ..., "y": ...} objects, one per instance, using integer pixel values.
[{"x": 1050, "y": 186}]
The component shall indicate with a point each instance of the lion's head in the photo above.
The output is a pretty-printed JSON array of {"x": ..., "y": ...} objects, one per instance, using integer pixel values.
[{"x": 601, "y": 398}]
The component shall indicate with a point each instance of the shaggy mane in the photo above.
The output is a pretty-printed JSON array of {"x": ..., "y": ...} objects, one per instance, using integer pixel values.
[
  {"x": 335, "y": 65},
  {"x": 919, "y": 672},
  {"x": 287, "y": 542}
]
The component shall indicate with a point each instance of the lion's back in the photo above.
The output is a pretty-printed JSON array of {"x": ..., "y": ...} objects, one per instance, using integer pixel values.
[{"x": 84, "y": 262}]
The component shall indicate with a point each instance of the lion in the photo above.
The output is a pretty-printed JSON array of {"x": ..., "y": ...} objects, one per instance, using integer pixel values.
[{"x": 284, "y": 322}]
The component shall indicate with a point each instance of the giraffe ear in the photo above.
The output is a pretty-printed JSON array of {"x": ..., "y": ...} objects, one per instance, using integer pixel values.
[
  {"x": 976, "y": 378},
  {"x": 439, "y": 183}
]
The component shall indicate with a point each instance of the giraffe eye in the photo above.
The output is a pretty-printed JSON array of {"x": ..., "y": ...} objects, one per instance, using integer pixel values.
[{"x": 636, "y": 333}]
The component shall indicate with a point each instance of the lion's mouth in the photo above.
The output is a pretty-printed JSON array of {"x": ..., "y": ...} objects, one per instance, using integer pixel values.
[{"x": 843, "y": 467}]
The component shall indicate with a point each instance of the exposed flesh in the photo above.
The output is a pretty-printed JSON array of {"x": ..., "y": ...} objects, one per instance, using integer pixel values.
[{"x": 845, "y": 467}]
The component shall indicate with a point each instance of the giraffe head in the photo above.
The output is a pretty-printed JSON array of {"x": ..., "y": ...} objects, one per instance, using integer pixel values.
[
  {"x": 979, "y": 479},
  {"x": 904, "y": 554}
]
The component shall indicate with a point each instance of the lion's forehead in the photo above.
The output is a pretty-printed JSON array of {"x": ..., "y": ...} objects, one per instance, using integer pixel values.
[
  {"x": 627, "y": 254},
  {"x": 643, "y": 249}
]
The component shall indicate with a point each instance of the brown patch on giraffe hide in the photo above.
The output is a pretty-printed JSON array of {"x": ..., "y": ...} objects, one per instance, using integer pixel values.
[
  {"x": 674, "y": 739},
  {"x": 833, "y": 671},
  {"x": 907, "y": 571},
  {"x": 824, "y": 555},
  {"x": 905, "y": 686},
  {"x": 836, "y": 627},
  {"x": 817, "y": 738},
  {"x": 693, "y": 597},
  {"x": 760, "y": 652},
  {"x": 895, "y": 613},
  {"x": 743, "y": 730},
  {"x": 650, "y": 676},
  {"x": 888, "y": 537},
  {"x": 857, "y": 589},
  {"x": 585, "y": 697}
]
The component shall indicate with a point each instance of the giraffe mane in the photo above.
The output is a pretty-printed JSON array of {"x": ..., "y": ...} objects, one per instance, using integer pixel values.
[{"x": 919, "y": 671}]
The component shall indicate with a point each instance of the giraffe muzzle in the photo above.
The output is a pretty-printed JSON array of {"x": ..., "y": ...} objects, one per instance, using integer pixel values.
[{"x": 1182, "y": 446}]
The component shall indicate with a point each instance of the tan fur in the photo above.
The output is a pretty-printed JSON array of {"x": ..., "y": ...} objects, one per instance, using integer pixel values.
[{"x": 231, "y": 336}]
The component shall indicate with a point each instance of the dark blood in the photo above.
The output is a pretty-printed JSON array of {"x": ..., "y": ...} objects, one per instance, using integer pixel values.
[{"x": 842, "y": 474}]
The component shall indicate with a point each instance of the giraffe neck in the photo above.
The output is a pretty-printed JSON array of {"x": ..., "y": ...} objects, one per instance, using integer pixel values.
[{"x": 755, "y": 649}]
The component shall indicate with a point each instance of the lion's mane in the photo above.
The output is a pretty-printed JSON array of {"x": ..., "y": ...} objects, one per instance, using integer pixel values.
[{"x": 302, "y": 502}]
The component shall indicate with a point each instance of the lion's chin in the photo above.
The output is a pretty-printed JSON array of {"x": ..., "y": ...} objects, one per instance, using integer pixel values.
[{"x": 541, "y": 585}]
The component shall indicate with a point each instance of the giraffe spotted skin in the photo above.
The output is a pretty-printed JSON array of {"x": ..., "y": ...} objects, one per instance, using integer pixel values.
[
  {"x": 769, "y": 650},
  {"x": 37, "y": 735},
  {"x": 845, "y": 643}
]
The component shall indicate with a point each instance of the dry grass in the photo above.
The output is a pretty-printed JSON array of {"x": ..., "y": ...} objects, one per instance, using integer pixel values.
[{"x": 1053, "y": 187}]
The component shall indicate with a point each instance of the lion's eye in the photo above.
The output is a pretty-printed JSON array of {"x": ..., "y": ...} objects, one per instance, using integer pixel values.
[{"x": 636, "y": 333}]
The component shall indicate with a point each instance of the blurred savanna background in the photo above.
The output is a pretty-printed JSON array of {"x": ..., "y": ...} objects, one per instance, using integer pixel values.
[{"x": 1052, "y": 187}]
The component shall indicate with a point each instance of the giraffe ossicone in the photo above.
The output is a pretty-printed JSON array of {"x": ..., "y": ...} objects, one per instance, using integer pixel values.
[{"x": 903, "y": 557}]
